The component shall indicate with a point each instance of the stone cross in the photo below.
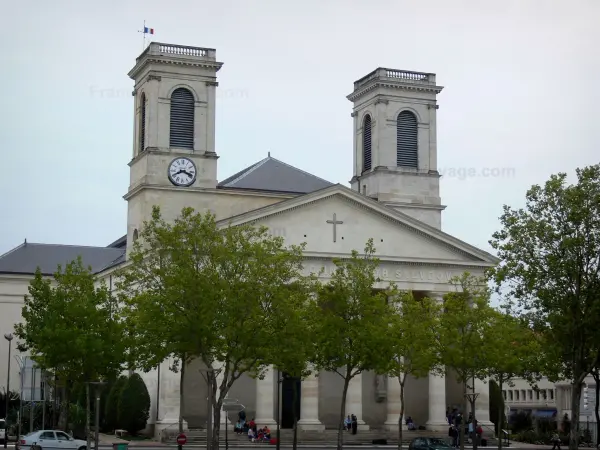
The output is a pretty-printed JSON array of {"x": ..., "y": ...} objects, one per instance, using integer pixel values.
[{"x": 335, "y": 223}]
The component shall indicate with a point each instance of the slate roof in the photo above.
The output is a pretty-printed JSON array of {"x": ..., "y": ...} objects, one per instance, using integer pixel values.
[
  {"x": 27, "y": 257},
  {"x": 273, "y": 175}
]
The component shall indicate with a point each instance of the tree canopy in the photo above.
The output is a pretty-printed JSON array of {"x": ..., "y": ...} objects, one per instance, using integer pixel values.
[
  {"x": 352, "y": 320},
  {"x": 550, "y": 273},
  {"x": 196, "y": 289}
]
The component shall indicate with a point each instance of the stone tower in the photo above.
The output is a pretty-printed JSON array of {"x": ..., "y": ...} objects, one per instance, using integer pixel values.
[
  {"x": 174, "y": 133},
  {"x": 395, "y": 151}
]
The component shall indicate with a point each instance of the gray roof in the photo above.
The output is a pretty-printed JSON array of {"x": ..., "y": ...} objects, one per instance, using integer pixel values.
[
  {"x": 27, "y": 257},
  {"x": 273, "y": 175}
]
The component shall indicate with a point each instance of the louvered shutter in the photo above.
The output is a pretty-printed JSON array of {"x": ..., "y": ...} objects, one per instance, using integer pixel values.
[
  {"x": 407, "y": 147},
  {"x": 182, "y": 119},
  {"x": 367, "y": 144},
  {"x": 143, "y": 123}
]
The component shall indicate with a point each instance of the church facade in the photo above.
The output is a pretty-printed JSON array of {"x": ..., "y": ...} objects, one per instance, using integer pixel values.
[{"x": 394, "y": 198}]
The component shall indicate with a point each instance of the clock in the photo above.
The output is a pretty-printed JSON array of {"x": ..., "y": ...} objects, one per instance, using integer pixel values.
[{"x": 182, "y": 172}]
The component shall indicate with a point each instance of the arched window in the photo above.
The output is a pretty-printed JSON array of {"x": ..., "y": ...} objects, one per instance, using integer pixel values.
[
  {"x": 407, "y": 146},
  {"x": 142, "y": 123},
  {"x": 135, "y": 235},
  {"x": 182, "y": 119},
  {"x": 367, "y": 143}
]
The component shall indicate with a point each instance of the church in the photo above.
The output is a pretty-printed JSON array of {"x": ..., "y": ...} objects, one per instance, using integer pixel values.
[{"x": 394, "y": 198}]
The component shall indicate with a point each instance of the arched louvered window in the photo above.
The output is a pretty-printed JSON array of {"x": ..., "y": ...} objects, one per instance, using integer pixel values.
[
  {"x": 182, "y": 119},
  {"x": 407, "y": 147},
  {"x": 142, "y": 123},
  {"x": 367, "y": 143},
  {"x": 135, "y": 235}
]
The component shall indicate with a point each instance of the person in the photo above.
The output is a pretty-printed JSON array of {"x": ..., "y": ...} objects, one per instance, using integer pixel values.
[
  {"x": 267, "y": 432},
  {"x": 410, "y": 423},
  {"x": 453, "y": 433},
  {"x": 348, "y": 423},
  {"x": 251, "y": 434},
  {"x": 354, "y": 424},
  {"x": 242, "y": 417},
  {"x": 555, "y": 441}
]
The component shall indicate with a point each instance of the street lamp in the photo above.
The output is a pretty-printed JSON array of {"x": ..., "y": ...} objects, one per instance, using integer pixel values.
[{"x": 9, "y": 338}]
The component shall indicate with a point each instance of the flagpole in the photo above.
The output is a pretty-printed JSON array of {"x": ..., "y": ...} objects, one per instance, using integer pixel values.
[{"x": 144, "y": 34}]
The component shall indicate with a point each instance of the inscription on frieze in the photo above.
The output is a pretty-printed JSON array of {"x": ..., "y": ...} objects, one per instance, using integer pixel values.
[{"x": 393, "y": 274}]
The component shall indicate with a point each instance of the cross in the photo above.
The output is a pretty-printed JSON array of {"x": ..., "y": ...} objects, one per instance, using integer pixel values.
[{"x": 335, "y": 223}]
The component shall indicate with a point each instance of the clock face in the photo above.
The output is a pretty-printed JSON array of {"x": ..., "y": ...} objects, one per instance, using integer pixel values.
[{"x": 182, "y": 172}]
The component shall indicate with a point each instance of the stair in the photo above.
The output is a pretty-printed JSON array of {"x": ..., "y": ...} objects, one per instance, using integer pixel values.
[{"x": 198, "y": 437}]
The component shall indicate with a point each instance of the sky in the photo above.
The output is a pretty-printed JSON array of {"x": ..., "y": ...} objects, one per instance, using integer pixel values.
[{"x": 520, "y": 99}]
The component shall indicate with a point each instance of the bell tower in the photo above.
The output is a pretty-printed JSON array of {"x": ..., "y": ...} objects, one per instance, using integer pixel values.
[
  {"x": 173, "y": 154},
  {"x": 395, "y": 148}
]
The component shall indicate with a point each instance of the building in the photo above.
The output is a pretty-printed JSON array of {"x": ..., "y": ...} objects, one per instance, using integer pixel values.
[{"x": 394, "y": 198}]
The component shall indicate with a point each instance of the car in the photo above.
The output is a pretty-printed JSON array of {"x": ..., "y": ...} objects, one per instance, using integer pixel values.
[
  {"x": 429, "y": 443},
  {"x": 2, "y": 430},
  {"x": 50, "y": 440}
]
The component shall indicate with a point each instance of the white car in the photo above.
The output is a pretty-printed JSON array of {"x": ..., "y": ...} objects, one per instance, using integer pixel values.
[
  {"x": 2, "y": 430},
  {"x": 50, "y": 440}
]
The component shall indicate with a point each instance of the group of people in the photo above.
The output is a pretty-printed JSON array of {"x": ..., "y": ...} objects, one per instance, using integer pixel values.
[
  {"x": 472, "y": 429},
  {"x": 351, "y": 423},
  {"x": 254, "y": 433}
]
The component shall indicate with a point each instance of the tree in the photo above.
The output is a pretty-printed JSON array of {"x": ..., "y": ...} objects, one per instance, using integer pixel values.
[
  {"x": 463, "y": 327},
  {"x": 70, "y": 327},
  {"x": 292, "y": 347},
  {"x": 197, "y": 289},
  {"x": 352, "y": 320},
  {"x": 134, "y": 405},
  {"x": 512, "y": 350},
  {"x": 414, "y": 343},
  {"x": 112, "y": 404},
  {"x": 550, "y": 273}
]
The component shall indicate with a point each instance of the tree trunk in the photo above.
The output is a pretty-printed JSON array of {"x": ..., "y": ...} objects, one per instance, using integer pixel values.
[
  {"x": 340, "y": 443},
  {"x": 500, "y": 415},
  {"x": 294, "y": 406},
  {"x": 596, "y": 376},
  {"x": 88, "y": 436},
  {"x": 401, "y": 417},
  {"x": 181, "y": 397},
  {"x": 463, "y": 421},
  {"x": 575, "y": 407},
  {"x": 474, "y": 422}
]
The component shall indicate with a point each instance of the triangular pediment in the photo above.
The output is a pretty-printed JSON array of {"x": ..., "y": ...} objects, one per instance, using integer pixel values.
[{"x": 397, "y": 236}]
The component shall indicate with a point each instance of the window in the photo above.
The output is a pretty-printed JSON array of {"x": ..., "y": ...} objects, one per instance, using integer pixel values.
[
  {"x": 135, "y": 235},
  {"x": 48, "y": 435},
  {"x": 62, "y": 436},
  {"x": 517, "y": 397},
  {"x": 530, "y": 394},
  {"x": 142, "y": 123},
  {"x": 504, "y": 395},
  {"x": 551, "y": 392},
  {"x": 537, "y": 395},
  {"x": 510, "y": 395},
  {"x": 407, "y": 146},
  {"x": 367, "y": 143},
  {"x": 182, "y": 119}
]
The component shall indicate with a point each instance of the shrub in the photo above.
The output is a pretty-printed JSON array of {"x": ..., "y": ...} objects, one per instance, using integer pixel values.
[
  {"x": 134, "y": 405},
  {"x": 111, "y": 407}
]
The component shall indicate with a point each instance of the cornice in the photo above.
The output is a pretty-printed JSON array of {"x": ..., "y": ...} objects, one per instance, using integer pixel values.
[
  {"x": 168, "y": 152},
  {"x": 403, "y": 262},
  {"x": 393, "y": 85},
  {"x": 204, "y": 64}
]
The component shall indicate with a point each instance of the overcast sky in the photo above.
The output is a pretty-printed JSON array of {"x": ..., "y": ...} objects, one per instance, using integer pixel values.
[{"x": 520, "y": 100}]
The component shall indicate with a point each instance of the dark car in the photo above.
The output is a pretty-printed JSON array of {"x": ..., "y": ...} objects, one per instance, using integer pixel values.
[{"x": 428, "y": 443}]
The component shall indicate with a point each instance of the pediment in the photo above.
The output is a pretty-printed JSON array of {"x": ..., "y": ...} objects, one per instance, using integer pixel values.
[{"x": 397, "y": 236}]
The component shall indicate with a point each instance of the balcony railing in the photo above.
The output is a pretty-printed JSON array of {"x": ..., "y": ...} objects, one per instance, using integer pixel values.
[
  {"x": 160, "y": 49},
  {"x": 404, "y": 76}
]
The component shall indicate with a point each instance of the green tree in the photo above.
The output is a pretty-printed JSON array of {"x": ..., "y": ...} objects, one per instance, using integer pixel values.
[
  {"x": 550, "y": 273},
  {"x": 111, "y": 408},
  {"x": 463, "y": 326},
  {"x": 512, "y": 350},
  {"x": 292, "y": 347},
  {"x": 352, "y": 320},
  {"x": 70, "y": 327},
  {"x": 198, "y": 289},
  {"x": 414, "y": 343},
  {"x": 134, "y": 405}
]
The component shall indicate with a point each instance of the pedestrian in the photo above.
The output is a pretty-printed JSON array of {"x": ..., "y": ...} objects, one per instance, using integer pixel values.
[{"x": 354, "y": 424}]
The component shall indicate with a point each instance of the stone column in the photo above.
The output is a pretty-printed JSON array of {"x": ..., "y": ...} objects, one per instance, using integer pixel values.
[
  {"x": 265, "y": 399},
  {"x": 309, "y": 404},
  {"x": 393, "y": 404},
  {"x": 437, "y": 391},
  {"x": 482, "y": 404},
  {"x": 169, "y": 402},
  {"x": 354, "y": 401}
]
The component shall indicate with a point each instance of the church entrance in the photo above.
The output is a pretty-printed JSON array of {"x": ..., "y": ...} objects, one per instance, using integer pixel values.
[{"x": 288, "y": 385}]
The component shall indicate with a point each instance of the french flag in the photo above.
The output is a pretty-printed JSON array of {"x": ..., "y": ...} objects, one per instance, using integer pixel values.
[{"x": 148, "y": 30}]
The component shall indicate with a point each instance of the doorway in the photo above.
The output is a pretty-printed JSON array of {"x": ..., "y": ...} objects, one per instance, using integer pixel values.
[{"x": 287, "y": 401}]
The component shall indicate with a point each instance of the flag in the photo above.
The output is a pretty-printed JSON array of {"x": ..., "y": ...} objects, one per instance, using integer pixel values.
[{"x": 148, "y": 30}]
